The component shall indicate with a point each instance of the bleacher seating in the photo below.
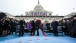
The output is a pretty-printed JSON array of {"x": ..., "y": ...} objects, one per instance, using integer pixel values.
[
  {"x": 44, "y": 27},
  {"x": 60, "y": 30}
]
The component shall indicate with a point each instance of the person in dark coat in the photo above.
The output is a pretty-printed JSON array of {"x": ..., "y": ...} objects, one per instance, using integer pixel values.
[
  {"x": 38, "y": 23},
  {"x": 6, "y": 26},
  {"x": 54, "y": 25},
  {"x": 68, "y": 27},
  {"x": 12, "y": 24},
  {"x": 15, "y": 24},
  {"x": 33, "y": 27},
  {"x": 64, "y": 24},
  {"x": 1, "y": 27},
  {"x": 22, "y": 26},
  {"x": 73, "y": 27}
]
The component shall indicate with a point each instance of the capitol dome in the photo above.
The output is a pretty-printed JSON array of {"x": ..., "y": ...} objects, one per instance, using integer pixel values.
[{"x": 38, "y": 7}]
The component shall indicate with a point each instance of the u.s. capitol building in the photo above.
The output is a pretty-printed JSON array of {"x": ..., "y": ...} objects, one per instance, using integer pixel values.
[{"x": 39, "y": 13}]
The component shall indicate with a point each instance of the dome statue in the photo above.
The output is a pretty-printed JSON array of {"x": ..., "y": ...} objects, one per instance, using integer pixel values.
[{"x": 38, "y": 7}]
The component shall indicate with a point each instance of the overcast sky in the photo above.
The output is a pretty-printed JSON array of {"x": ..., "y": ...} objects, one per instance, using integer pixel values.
[{"x": 18, "y": 7}]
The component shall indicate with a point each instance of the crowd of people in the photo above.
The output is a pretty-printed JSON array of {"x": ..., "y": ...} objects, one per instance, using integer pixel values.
[
  {"x": 68, "y": 26},
  {"x": 9, "y": 26}
]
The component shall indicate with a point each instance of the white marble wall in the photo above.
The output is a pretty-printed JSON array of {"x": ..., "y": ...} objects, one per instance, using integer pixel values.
[{"x": 43, "y": 19}]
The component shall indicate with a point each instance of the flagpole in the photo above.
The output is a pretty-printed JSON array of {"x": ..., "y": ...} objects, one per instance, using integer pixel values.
[{"x": 20, "y": 16}]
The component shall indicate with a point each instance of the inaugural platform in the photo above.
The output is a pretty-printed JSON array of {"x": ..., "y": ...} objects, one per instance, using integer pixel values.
[{"x": 37, "y": 26}]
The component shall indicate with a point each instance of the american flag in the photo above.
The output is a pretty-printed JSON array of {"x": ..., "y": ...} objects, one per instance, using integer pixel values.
[
  {"x": 44, "y": 14},
  {"x": 32, "y": 14},
  {"x": 38, "y": 13},
  {"x": 35, "y": 14}
]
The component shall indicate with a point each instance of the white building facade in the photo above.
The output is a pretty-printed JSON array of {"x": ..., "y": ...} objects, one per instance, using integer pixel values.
[{"x": 39, "y": 13}]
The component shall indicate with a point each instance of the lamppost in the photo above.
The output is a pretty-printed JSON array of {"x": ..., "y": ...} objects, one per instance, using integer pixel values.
[
  {"x": 49, "y": 16},
  {"x": 21, "y": 16},
  {"x": 57, "y": 16}
]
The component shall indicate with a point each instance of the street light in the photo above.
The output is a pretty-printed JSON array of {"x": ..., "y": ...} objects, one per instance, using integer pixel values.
[
  {"x": 21, "y": 15},
  {"x": 57, "y": 16}
]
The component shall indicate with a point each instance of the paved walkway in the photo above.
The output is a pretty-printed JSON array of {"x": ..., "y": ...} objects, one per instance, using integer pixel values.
[{"x": 37, "y": 39}]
